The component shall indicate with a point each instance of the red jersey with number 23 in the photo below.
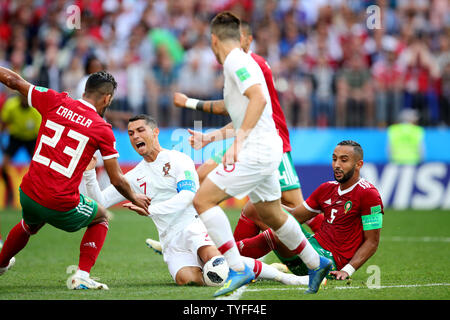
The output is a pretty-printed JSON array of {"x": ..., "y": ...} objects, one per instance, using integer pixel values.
[
  {"x": 341, "y": 232},
  {"x": 70, "y": 133}
]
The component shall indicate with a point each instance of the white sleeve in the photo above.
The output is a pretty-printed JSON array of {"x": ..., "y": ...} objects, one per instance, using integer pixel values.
[
  {"x": 108, "y": 197},
  {"x": 243, "y": 72},
  {"x": 185, "y": 169},
  {"x": 177, "y": 203}
]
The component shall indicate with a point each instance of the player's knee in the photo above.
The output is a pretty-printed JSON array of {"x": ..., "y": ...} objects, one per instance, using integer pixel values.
[
  {"x": 103, "y": 216},
  {"x": 250, "y": 212},
  {"x": 188, "y": 276},
  {"x": 198, "y": 203}
]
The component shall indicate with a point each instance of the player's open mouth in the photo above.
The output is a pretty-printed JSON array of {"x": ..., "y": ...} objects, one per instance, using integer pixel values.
[
  {"x": 338, "y": 173},
  {"x": 140, "y": 145}
]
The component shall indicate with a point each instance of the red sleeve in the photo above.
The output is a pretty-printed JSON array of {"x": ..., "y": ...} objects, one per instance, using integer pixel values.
[
  {"x": 313, "y": 201},
  {"x": 107, "y": 143},
  {"x": 43, "y": 99},
  {"x": 371, "y": 202}
]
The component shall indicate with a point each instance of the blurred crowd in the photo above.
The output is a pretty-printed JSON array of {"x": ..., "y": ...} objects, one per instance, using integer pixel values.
[{"x": 334, "y": 63}]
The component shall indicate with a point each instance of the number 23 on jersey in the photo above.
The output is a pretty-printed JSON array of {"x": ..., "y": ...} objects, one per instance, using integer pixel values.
[{"x": 75, "y": 154}]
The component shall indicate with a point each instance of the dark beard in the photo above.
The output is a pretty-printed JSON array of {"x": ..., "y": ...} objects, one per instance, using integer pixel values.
[{"x": 346, "y": 176}]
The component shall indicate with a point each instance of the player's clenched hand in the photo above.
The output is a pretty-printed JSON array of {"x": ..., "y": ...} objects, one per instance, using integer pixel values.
[
  {"x": 179, "y": 99},
  {"x": 92, "y": 164},
  {"x": 340, "y": 275},
  {"x": 198, "y": 140},
  {"x": 135, "y": 208},
  {"x": 142, "y": 201}
]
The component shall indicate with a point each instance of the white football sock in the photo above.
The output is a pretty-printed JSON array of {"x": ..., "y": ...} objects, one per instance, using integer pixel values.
[
  {"x": 267, "y": 272},
  {"x": 291, "y": 235},
  {"x": 82, "y": 274},
  {"x": 262, "y": 270},
  {"x": 219, "y": 229}
]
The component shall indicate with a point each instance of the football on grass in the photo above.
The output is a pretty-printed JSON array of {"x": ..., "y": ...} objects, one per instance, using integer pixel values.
[{"x": 215, "y": 271}]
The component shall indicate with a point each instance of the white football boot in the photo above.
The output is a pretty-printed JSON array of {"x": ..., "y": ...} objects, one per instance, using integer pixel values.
[
  {"x": 81, "y": 283},
  {"x": 155, "y": 245},
  {"x": 12, "y": 261}
]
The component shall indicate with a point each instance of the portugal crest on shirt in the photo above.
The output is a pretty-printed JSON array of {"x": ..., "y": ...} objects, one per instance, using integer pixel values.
[{"x": 166, "y": 169}]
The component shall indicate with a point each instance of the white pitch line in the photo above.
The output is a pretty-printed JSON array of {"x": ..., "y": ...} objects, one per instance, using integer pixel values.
[
  {"x": 236, "y": 295},
  {"x": 415, "y": 239},
  {"x": 350, "y": 287}
]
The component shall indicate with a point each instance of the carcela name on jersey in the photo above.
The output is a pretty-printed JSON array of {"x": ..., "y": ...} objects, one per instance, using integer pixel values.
[{"x": 73, "y": 116}]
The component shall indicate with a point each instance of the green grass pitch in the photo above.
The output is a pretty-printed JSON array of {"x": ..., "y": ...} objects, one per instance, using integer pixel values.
[{"x": 410, "y": 264}]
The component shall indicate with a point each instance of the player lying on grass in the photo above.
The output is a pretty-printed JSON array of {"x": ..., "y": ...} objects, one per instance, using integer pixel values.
[
  {"x": 353, "y": 211},
  {"x": 249, "y": 223},
  {"x": 169, "y": 178},
  {"x": 70, "y": 133}
]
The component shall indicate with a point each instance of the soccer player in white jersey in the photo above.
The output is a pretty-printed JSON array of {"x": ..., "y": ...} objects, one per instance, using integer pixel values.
[
  {"x": 250, "y": 164},
  {"x": 169, "y": 179}
]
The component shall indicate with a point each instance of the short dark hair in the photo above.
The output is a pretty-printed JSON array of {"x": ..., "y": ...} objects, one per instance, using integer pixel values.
[
  {"x": 100, "y": 83},
  {"x": 247, "y": 27},
  {"x": 148, "y": 120},
  {"x": 356, "y": 147},
  {"x": 226, "y": 25}
]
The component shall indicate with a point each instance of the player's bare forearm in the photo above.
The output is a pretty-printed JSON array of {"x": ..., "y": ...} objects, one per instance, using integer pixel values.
[
  {"x": 210, "y": 106},
  {"x": 213, "y": 106},
  {"x": 223, "y": 133},
  {"x": 198, "y": 139},
  {"x": 364, "y": 252},
  {"x": 301, "y": 214},
  {"x": 367, "y": 248},
  {"x": 121, "y": 184},
  {"x": 14, "y": 81}
]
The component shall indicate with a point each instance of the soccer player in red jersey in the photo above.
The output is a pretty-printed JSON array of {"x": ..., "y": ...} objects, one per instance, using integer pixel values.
[
  {"x": 70, "y": 133},
  {"x": 353, "y": 214}
]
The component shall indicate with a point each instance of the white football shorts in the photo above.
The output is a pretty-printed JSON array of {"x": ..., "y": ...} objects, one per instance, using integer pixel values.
[
  {"x": 182, "y": 249},
  {"x": 260, "y": 181}
]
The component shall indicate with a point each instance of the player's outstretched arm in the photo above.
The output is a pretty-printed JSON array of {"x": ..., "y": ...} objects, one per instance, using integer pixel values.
[
  {"x": 364, "y": 252},
  {"x": 14, "y": 81},
  {"x": 119, "y": 181},
  {"x": 198, "y": 139},
  {"x": 211, "y": 106},
  {"x": 301, "y": 213},
  {"x": 107, "y": 197}
]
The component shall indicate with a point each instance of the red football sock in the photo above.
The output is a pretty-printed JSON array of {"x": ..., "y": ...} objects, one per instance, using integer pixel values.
[
  {"x": 91, "y": 244},
  {"x": 15, "y": 241},
  {"x": 257, "y": 246},
  {"x": 245, "y": 228},
  {"x": 315, "y": 223}
]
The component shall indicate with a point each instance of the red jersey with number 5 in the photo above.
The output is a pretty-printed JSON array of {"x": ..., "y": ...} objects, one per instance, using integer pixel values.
[
  {"x": 70, "y": 133},
  {"x": 341, "y": 232}
]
